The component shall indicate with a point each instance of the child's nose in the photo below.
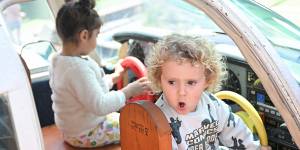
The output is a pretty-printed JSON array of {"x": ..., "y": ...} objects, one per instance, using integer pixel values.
[{"x": 182, "y": 90}]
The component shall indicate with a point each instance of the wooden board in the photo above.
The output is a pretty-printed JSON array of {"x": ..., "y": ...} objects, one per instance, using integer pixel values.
[{"x": 143, "y": 126}]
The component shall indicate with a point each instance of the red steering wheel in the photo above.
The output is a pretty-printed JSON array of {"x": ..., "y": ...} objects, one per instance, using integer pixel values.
[{"x": 139, "y": 69}]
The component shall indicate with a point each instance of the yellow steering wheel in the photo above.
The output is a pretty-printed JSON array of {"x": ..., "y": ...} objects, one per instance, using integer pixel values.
[{"x": 250, "y": 116}]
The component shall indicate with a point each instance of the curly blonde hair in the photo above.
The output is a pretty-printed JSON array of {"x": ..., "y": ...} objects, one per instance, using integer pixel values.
[{"x": 180, "y": 48}]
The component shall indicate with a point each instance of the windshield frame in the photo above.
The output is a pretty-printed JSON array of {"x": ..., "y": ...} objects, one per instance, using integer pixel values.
[{"x": 260, "y": 54}]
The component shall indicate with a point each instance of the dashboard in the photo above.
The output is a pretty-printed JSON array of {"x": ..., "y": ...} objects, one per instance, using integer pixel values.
[{"x": 243, "y": 80}]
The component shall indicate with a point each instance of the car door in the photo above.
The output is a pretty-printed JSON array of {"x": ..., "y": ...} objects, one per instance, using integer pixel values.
[
  {"x": 19, "y": 124},
  {"x": 31, "y": 29}
]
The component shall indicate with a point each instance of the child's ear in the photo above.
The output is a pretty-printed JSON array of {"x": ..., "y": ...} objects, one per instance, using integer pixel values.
[
  {"x": 84, "y": 35},
  {"x": 207, "y": 84}
]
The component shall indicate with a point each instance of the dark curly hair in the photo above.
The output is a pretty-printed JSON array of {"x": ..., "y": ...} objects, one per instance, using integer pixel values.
[{"x": 75, "y": 16}]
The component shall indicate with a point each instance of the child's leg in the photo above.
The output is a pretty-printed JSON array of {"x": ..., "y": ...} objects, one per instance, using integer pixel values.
[{"x": 105, "y": 133}]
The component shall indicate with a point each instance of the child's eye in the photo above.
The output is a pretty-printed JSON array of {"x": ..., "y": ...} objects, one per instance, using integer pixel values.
[
  {"x": 192, "y": 82},
  {"x": 171, "y": 82}
]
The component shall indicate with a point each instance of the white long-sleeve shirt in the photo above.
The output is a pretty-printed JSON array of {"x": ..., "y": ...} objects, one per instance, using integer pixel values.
[
  {"x": 211, "y": 124},
  {"x": 81, "y": 96}
]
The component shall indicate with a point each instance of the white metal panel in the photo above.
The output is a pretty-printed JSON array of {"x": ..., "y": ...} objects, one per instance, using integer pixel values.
[{"x": 14, "y": 82}]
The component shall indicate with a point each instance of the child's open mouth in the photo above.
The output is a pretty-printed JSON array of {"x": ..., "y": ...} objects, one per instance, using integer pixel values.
[{"x": 181, "y": 104}]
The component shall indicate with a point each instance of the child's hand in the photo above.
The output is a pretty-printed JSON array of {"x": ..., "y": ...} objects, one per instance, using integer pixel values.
[
  {"x": 137, "y": 87},
  {"x": 118, "y": 68}
]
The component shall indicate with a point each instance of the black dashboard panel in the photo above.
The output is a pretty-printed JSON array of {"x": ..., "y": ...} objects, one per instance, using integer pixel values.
[{"x": 242, "y": 78}]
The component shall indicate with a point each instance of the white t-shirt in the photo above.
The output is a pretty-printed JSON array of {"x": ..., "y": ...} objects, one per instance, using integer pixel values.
[
  {"x": 211, "y": 124},
  {"x": 81, "y": 96}
]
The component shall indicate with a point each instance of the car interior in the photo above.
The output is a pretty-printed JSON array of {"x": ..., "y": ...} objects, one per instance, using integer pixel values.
[
  {"x": 145, "y": 118},
  {"x": 241, "y": 80}
]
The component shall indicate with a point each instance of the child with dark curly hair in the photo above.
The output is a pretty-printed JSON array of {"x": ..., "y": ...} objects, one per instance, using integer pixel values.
[{"x": 82, "y": 103}]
